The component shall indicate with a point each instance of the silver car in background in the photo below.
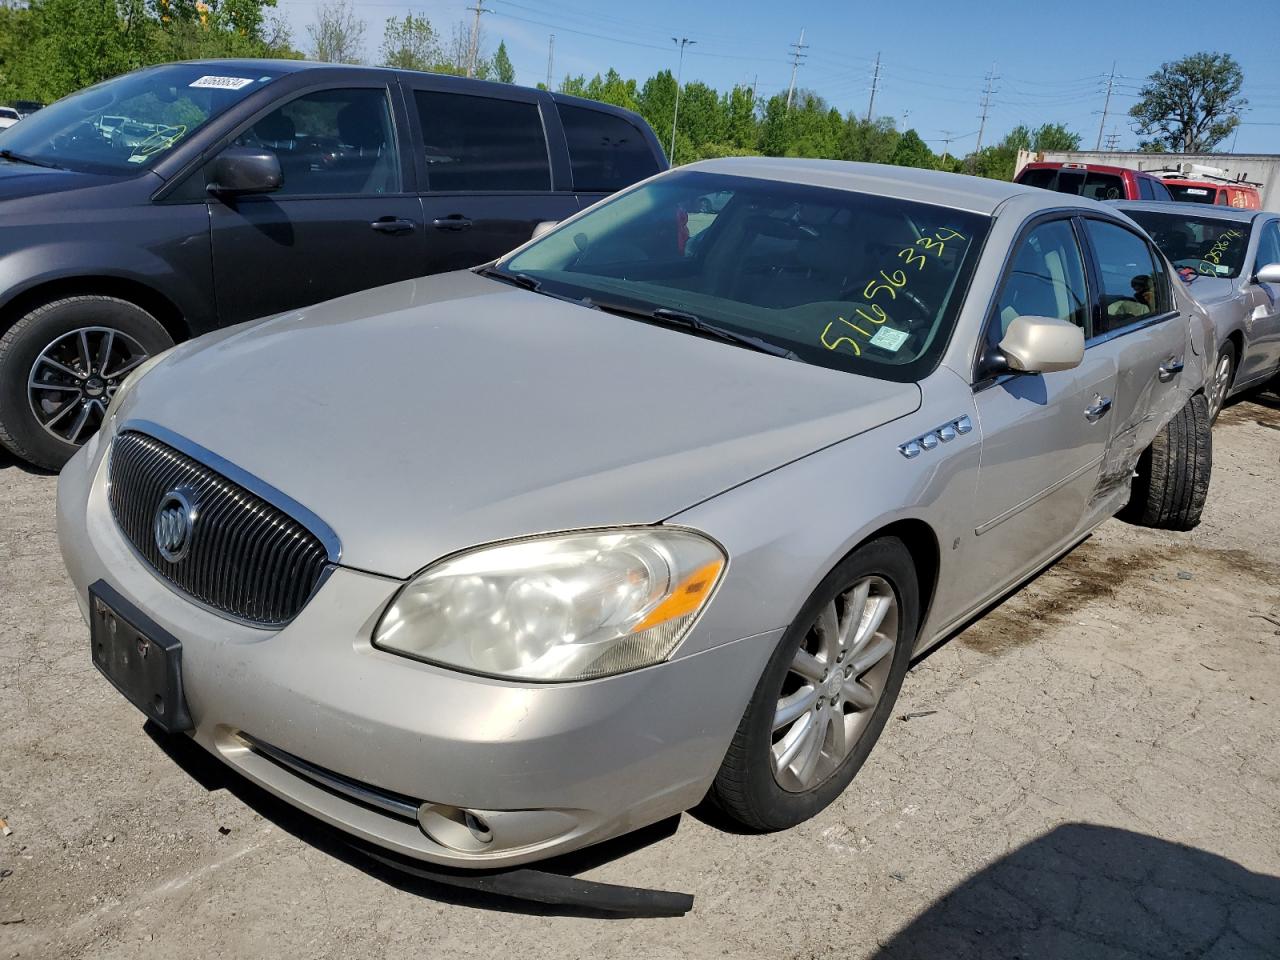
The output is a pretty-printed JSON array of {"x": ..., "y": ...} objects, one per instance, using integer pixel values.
[
  {"x": 1230, "y": 260},
  {"x": 489, "y": 566}
]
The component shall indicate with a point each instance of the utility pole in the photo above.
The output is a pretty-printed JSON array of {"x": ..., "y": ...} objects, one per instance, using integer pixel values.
[
  {"x": 875, "y": 83},
  {"x": 551, "y": 57},
  {"x": 474, "y": 55},
  {"x": 948, "y": 136},
  {"x": 1113, "y": 138},
  {"x": 1106, "y": 105},
  {"x": 675, "y": 114},
  {"x": 756, "y": 80},
  {"x": 796, "y": 57},
  {"x": 986, "y": 107}
]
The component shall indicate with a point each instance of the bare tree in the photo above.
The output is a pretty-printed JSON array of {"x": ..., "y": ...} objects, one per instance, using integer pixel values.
[{"x": 337, "y": 36}]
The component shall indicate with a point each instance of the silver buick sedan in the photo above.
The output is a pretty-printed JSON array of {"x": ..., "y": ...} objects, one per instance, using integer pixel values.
[
  {"x": 659, "y": 508},
  {"x": 1230, "y": 258}
]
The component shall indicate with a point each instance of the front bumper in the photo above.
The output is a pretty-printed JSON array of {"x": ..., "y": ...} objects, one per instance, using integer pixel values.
[{"x": 550, "y": 767}]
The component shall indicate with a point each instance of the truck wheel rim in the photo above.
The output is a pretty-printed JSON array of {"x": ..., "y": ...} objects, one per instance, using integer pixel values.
[
  {"x": 836, "y": 678},
  {"x": 74, "y": 378}
]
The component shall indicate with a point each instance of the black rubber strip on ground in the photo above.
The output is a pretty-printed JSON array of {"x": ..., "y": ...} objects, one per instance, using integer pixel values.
[{"x": 551, "y": 888}]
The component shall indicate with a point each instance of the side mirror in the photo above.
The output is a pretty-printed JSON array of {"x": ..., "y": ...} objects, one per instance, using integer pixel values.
[
  {"x": 1042, "y": 345},
  {"x": 1268, "y": 274},
  {"x": 242, "y": 170},
  {"x": 542, "y": 228}
]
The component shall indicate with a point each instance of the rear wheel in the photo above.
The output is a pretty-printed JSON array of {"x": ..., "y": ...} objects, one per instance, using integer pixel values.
[
  {"x": 823, "y": 700},
  {"x": 60, "y": 364},
  {"x": 1172, "y": 481},
  {"x": 1224, "y": 372}
]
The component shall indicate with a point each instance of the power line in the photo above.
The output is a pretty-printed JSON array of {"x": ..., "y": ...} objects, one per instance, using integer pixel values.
[
  {"x": 1106, "y": 104},
  {"x": 795, "y": 65}
]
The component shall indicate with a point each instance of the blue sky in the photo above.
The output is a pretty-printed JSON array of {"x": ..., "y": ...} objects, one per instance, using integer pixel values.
[{"x": 1050, "y": 59}]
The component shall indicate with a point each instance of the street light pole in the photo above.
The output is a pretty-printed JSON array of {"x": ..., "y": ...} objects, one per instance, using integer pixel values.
[{"x": 675, "y": 114}]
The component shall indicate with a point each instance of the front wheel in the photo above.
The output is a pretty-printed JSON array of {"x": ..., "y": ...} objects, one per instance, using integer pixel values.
[
  {"x": 1172, "y": 482},
  {"x": 826, "y": 693},
  {"x": 1223, "y": 373},
  {"x": 60, "y": 364}
]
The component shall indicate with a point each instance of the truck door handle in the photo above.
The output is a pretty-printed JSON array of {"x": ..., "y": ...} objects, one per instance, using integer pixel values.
[
  {"x": 393, "y": 225},
  {"x": 1098, "y": 410},
  {"x": 1171, "y": 369},
  {"x": 455, "y": 221}
]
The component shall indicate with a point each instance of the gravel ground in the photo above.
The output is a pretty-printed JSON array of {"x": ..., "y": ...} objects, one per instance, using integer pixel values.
[{"x": 1091, "y": 771}]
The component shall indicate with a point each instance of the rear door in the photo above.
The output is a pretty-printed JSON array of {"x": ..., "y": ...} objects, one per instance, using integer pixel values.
[
  {"x": 1262, "y": 352},
  {"x": 343, "y": 220},
  {"x": 490, "y": 170},
  {"x": 1134, "y": 320},
  {"x": 1044, "y": 436}
]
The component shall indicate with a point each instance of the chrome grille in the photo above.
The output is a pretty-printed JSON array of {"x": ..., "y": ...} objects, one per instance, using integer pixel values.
[{"x": 245, "y": 558}]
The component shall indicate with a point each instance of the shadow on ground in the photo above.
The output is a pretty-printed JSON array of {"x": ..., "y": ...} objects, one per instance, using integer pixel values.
[
  {"x": 212, "y": 774},
  {"x": 1085, "y": 892}
]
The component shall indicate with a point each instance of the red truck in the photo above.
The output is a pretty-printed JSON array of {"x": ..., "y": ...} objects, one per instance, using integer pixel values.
[
  {"x": 1094, "y": 180},
  {"x": 1241, "y": 195}
]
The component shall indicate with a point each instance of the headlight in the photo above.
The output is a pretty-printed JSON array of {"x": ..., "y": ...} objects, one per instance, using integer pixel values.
[
  {"x": 567, "y": 607},
  {"x": 130, "y": 382}
]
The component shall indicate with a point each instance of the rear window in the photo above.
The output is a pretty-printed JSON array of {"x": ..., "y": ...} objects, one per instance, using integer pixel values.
[
  {"x": 1196, "y": 245},
  {"x": 606, "y": 152},
  {"x": 480, "y": 144},
  {"x": 1082, "y": 183},
  {"x": 1193, "y": 194}
]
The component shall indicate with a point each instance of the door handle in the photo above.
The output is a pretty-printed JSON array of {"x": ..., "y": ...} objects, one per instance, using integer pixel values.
[
  {"x": 393, "y": 225},
  {"x": 1098, "y": 410},
  {"x": 455, "y": 221},
  {"x": 1171, "y": 369}
]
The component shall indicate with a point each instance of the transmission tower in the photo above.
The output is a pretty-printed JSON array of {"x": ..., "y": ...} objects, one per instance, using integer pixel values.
[
  {"x": 796, "y": 58},
  {"x": 986, "y": 106},
  {"x": 1106, "y": 105}
]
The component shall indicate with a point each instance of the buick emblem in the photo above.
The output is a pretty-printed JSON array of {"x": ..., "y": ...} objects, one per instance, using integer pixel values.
[{"x": 175, "y": 518}]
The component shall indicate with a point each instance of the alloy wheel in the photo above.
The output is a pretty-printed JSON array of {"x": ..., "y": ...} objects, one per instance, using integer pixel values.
[
  {"x": 1221, "y": 384},
  {"x": 74, "y": 378},
  {"x": 836, "y": 678}
]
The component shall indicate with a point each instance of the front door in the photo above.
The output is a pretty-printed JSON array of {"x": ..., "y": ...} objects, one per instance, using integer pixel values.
[
  {"x": 1044, "y": 436},
  {"x": 1262, "y": 351},
  {"x": 341, "y": 222},
  {"x": 487, "y": 172}
]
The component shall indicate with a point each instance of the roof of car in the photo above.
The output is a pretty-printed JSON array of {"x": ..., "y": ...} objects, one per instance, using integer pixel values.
[
  {"x": 976, "y": 194},
  {"x": 1092, "y": 167},
  {"x": 1212, "y": 211}
]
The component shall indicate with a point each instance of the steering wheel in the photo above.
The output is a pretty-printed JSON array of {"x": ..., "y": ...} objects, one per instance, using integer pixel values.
[{"x": 926, "y": 314}]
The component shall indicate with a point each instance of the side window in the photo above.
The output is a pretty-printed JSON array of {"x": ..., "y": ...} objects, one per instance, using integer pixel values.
[
  {"x": 1159, "y": 191},
  {"x": 1126, "y": 269},
  {"x": 332, "y": 143},
  {"x": 1268, "y": 245},
  {"x": 1046, "y": 280},
  {"x": 480, "y": 144},
  {"x": 606, "y": 152},
  {"x": 1144, "y": 189}
]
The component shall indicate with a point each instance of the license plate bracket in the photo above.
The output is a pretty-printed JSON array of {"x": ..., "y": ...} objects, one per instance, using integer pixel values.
[{"x": 140, "y": 658}]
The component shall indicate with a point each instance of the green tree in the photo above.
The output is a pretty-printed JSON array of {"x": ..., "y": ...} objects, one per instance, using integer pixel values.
[
  {"x": 911, "y": 151},
  {"x": 410, "y": 43},
  {"x": 1054, "y": 137},
  {"x": 503, "y": 71},
  {"x": 656, "y": 103},
  {"x": 337, "y": 36},
  {"x": 1193, "y": 104}
]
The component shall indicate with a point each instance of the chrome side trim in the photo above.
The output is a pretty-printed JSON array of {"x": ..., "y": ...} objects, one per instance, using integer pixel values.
[
  {"x": 1036, "y": 498},
  {"x": 282, "y": 501},
  {"x": 929, "y": 440},
  {"x": 395, "y": 804}
]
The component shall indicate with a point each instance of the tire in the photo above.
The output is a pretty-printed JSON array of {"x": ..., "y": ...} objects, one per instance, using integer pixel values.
[
  {"x": 1173, "y": 473},
  {"x": 52, "y": 332},
  {"x": 1224, "y": 373},
  {"x": 749, "y": 786}
]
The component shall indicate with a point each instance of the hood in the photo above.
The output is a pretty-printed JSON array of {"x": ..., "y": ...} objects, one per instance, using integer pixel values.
[
  {"x": 28, "y": 180},
  {"x": 432, "y": 415},
  {"x": 1211, "y": 290}
]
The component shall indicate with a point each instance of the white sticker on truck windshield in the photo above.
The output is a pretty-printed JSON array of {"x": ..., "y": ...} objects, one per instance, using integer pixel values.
[
  {"x": 887, "y": 338},
  {"x": 221, "y": 83}
]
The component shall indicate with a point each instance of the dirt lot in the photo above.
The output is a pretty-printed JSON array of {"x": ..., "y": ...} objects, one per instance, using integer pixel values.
[{"x": 1092, "y": 771}]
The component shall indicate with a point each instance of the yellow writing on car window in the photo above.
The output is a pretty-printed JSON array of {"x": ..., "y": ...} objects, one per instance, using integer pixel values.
[
  {"x": 888, "y": 283},
  {"x": 1216, "y": 252}
]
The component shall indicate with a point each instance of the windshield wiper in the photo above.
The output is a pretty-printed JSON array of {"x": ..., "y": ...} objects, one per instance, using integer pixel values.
[
  {"x": 19, "y": 158},
  {"x": 682, "y": 319},
  {"x": 515, "y": 279}
]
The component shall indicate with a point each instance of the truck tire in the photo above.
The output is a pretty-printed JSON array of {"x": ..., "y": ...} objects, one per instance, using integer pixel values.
[
  {"x": 1172, "y": 479},
  {"x": 60, "y": 364}
]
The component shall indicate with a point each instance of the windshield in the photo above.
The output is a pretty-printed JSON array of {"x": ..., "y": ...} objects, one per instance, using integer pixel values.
[
  {"x": 846, "y": 280},
  {"x": 130, "y": 122},
  {"x": 1192, "y": 194},
  {"x": 1205, "y": 246}
]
